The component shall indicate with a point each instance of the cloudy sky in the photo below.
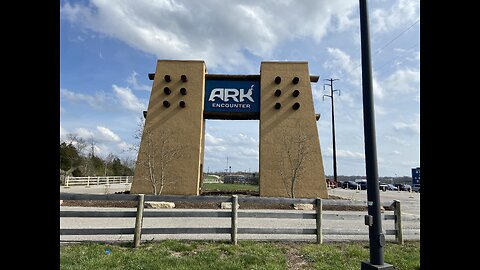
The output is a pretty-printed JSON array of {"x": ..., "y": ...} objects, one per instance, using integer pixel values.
[{"x": 107, "y": 49}]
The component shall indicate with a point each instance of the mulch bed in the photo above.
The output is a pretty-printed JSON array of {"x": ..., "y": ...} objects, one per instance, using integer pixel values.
[{"x": 209, "y": 205}]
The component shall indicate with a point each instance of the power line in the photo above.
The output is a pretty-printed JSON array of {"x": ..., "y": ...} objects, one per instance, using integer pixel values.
[
  {"x": 395, "y": 38},
  {"x": 392, "y": 40},
  {"x": 388, "y": 62}
]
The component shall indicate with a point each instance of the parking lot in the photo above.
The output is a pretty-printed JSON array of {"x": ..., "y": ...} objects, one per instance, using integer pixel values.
[{"x": 410, "y": 200}]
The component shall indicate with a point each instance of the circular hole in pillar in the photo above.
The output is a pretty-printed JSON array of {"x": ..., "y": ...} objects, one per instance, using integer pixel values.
[
  {"x": 278, "y": 105},
  {"x": 296, "y": 106},
  {"x": 167, "y": 78},
  {"x": 184, "y": 78},
  {"x": 278, "y": 79},
  {"x": 296, "y": 93},
  {"x": 295, "y": 80},
  {"x": 182, "y": 104},
  {"x": 183, "y": 91},
  {"x": 167, "y": 90},
  {"x": 166, "y": 103},
  {"x": 278, "y": 92}
]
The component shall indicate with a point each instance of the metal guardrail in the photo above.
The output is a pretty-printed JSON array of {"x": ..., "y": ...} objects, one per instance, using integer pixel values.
[{"x": 234, "y": 215}]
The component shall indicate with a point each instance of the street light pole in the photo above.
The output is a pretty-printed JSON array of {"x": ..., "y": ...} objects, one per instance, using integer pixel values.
[
  {"x": 373, "y": 219},
  {"x": 333, "y": 128}
]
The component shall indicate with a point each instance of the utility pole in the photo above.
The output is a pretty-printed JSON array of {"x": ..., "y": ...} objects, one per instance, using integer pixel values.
[
  {"x": 226, "y": 169},
  {"x": 333, "y": 126}
]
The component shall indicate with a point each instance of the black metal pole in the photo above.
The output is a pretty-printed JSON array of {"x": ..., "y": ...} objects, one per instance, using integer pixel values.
[{"x": 373, "y": 220}]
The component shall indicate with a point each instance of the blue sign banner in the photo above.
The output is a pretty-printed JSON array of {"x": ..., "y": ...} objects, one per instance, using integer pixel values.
[
  {"x": 235, "y": 96},
  {"x": 415, "y": 176}
]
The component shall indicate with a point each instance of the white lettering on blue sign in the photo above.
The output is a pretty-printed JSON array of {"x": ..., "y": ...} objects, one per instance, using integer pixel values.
[
  {"x": 225, "y": 94},
  {"x": 229, "y": 105}
]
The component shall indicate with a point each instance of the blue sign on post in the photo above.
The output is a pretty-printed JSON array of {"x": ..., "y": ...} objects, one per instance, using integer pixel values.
[
  {"x": 232, "y": 96},
  {"x": 415, "y": 176}
]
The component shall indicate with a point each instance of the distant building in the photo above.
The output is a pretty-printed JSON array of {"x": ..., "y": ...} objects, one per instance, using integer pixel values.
[{"x": 240, "y": 179}]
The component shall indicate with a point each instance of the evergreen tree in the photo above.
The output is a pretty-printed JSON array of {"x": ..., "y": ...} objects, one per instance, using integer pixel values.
[{"x": 70, "y": 159}]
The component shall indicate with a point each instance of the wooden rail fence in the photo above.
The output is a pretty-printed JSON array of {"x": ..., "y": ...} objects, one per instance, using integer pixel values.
[{"x": 394, "y": 214}]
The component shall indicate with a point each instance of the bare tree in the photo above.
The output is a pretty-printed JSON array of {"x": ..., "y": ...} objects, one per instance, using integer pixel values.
[
  {"x": 159, "y": 152},
  {"x": 137, "y": 136},
  {"x": 128, "y": 162},
  {"x": 79, "y": 143},
  {"x": 108, "y": 160},
  {"x": 296, "y": 151},
  {"x": 91, "y": 142}
]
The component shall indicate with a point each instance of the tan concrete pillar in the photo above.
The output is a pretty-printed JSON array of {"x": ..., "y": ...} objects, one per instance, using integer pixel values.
[
  {"x": 289, "y": 144},
  {"x": 171, "y": 149}
]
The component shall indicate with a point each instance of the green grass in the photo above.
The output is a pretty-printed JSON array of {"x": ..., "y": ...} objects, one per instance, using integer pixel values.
[
  {"x": 229, "y": 187},
  {"x": 335, "y": 256},
  {"x": 170, "y": 254}
]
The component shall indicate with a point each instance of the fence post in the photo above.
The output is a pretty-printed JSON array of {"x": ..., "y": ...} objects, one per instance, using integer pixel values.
[
  {"x": 88, "y": 181},
  {"x": 234, "y": 219},
  {"x": 138, "y": 221},
  {"x": 319, "y": 221},
  {"x": 398, "y": 222},
  {"x": 66, "y": 180}
]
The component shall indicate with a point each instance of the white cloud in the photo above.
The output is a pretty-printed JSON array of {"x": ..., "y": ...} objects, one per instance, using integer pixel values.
[
  {"x": 342, "y": 62},
  {"x": 396, "y": 140},
  {"x": 243, "y": 140},
  {"x": 215, "y": 150},
  {"x": 124, "y": 146},
  {"x": 63, "y": 134},
  {"x": 107, "y": 134},
  {"x": 351, "y": 70},
  {"x": 217, "y": 31},
  {"x": 249, "y": 152},
  {"x": 344, "y": 154},
  {"x": 210, "y": 139},
  {"x": 84, "y": 133},
  {"x": 132, "y": 81},
  {"x": 350, "y": 154},
  {"x": 403, "y": 81},
  {"x": 380, "y": 110},
  {"x": 412, "y": 128},
  {"x": 97, "y": 101},
  {"x": 127, "y": 99},
  {"x": 395, "y": 17},
  {"x": 103, "y": 101}
]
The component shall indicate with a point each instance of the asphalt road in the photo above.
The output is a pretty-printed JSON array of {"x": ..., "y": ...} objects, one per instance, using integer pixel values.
[{"x": 410, "y": 203}]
